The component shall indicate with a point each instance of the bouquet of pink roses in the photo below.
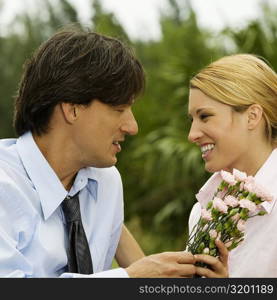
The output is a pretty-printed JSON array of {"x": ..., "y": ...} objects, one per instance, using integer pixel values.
[{"x": 237, "y": 198}]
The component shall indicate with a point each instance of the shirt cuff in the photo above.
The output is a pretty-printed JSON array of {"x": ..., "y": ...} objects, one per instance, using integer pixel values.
[{"x": 113, "y": 273}]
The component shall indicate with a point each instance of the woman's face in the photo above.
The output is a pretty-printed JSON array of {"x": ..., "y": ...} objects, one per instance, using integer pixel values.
[{"x": 220, "y": 132}]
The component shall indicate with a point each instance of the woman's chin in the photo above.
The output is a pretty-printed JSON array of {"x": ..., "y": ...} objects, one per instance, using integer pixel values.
[{"x": 211, "y": 168}]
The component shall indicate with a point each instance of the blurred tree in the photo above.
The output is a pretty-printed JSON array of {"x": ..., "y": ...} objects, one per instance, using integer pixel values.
[
  {"x": 258, "y": 37},
  {"x": 166, "y": 166},
  {"x": 107, "y": 23},
  {"x": 25, "y": 33},
  {"x": 161, "y": 171}
]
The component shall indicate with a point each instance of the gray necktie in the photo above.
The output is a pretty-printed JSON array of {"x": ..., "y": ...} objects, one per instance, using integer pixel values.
[{"x": 78, "y": 254}]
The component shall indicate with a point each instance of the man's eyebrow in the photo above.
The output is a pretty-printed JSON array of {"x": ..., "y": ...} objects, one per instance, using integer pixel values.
[{"x": 123, "y": 105}]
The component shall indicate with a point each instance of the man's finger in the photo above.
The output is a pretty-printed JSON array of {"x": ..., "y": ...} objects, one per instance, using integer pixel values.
[{"x": 185, "y": 258}]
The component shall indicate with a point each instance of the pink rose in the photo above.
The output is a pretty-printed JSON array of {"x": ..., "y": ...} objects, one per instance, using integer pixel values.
[
  {"x": 263, "y": 192},
  {"x": 267, "y": 196},
  {"x": 241, "y": 225},
  {"x": 250, "y": 179},
  {"x": 228, "y": 244},
  {"x": 236, "y": 217},
  {"x": 218, "y": 236},
  {"x": 213, "y": 233},
  {"x": 231, "y": 201},
  {"x": 249, "y": 187},
  {"x": 220, "y": 205},
  {"x": 240, "y": 176},
  {"x": 206, "y": 215},
  {"x": 228, "y": 177},
  {"x": 245, "y": 203}
]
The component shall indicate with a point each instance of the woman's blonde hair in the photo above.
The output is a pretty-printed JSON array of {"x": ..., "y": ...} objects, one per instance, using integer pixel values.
[{"x": 242, "y": 80}]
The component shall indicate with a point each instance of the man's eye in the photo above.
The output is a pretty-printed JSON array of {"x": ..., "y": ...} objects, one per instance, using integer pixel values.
[{"x": 120, "y": 110}]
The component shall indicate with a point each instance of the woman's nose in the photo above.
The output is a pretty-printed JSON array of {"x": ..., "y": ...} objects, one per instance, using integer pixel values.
[{"x": 194, "y": 134}]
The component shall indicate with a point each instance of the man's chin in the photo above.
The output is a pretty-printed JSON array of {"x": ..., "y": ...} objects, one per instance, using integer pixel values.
[{"x": 105, "y": 164}]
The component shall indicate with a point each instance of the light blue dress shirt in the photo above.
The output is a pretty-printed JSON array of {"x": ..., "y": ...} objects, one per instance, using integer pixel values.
[{"x": 32, "y": 228}]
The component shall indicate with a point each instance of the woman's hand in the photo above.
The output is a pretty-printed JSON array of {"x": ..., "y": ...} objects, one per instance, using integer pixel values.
[{"x": 218, "y": 266}]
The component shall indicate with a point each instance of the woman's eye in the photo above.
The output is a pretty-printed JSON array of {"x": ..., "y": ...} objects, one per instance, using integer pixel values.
[{"x": 204, "y": 116}]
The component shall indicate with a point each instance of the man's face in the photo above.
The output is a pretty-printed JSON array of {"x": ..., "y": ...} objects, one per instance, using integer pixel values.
[{"x": 99, "y": 131}]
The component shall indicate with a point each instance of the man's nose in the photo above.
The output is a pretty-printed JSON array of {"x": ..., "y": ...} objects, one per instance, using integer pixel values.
[{"x": 130, "y": 126}]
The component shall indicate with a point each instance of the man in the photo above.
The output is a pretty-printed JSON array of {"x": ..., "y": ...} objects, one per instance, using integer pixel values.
[{"x": 72, "y": 113}]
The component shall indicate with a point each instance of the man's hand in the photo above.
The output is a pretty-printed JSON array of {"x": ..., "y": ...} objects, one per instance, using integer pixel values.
[{"x": 166, "y": 264}]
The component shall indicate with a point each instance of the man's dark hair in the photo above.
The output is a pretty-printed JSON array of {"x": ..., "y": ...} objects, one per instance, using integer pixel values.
[{"x": 75, "y": 66}]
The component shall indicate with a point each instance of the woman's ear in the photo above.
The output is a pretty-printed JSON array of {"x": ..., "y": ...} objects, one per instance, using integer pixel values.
[
  {"x": 254, "y": 115},
  {"x": 69, "y": 111}
]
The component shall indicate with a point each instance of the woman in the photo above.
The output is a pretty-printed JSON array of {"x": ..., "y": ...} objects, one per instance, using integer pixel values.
[{"x": 233, "y": 107}]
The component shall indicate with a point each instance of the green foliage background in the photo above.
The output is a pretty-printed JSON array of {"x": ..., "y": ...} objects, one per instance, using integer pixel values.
[{"x": 161, "y": 170}]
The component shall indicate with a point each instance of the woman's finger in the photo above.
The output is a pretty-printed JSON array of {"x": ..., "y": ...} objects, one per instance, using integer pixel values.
[
  {"x": 223, "y": 252},
  {"x": 207, "y": 259},
  {"x": 217, "y": 268},
  {"x": 206, "y": 272}
]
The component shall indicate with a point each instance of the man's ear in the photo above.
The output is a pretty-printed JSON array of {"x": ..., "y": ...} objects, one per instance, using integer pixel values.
[
  {"x": 69, "y": 111},
  {"x": 254, "y": 115}
]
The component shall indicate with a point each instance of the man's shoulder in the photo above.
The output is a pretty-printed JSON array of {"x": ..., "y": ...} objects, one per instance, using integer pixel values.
[
  {"x": 14, "y": 202},
  {"x": 8, "y": 153},
  {"x": 10, "y": 162},
  {"x": 8, "y": 181},
  {"x": 5, "y": 144}
]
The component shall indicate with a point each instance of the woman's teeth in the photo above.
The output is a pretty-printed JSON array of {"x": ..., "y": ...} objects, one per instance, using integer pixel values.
[{"x": 206, "y": 148}]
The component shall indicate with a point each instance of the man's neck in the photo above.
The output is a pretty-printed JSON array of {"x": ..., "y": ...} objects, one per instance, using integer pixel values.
[{"x": 57, "y": 153}]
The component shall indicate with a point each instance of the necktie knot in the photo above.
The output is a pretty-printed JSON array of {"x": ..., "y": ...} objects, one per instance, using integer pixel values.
[{"x": 71, "y": 209}]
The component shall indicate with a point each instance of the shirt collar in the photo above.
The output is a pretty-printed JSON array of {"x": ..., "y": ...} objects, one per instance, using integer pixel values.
[
  {"x": 266, "y": 176},
  {"x": 46, "y": 182}
]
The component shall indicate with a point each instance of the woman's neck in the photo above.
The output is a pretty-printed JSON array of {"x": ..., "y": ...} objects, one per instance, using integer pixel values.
[{"x": 256, "y": 157}]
